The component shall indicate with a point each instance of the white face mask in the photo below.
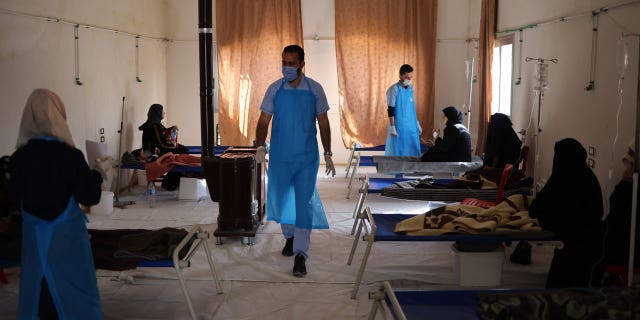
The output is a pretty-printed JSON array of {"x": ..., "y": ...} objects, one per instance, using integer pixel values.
[{"x": 406, "y": 82}]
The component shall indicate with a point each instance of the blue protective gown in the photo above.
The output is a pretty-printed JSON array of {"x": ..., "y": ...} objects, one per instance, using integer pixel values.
[
  {"x": 292, "y": 197},
  {"x": 407, "y": 142},
  {"x": 59, "y": 251}
]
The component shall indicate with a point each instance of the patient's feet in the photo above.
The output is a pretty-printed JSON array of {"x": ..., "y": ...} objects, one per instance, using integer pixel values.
[
  {"x": 288, "y": 248},
  {"x": 299, "y": 267}
]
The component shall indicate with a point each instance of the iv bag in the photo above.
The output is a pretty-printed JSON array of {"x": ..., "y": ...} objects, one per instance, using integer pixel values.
[
  {"x": 622, "y": 57},
  {"x": 542, "y": 73}
]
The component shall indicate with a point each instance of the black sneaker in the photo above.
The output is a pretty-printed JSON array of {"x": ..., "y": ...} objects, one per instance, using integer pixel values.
[
  {"x": 288, "y": 248},
  {"x": 299, "y": 268}
]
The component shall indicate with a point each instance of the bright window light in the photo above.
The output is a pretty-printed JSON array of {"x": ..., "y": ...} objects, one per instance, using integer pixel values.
[{"x": 501, "y": 76}]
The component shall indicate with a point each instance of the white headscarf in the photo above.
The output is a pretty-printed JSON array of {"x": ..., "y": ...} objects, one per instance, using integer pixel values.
[{"x": 44, "y": 115}]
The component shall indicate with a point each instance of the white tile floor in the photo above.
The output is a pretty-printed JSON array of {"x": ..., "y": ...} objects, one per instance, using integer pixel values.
[{"x": 257, "y": 280}]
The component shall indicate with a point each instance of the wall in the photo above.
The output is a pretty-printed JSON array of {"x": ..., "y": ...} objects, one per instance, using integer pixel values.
[
  {"x": 36, "y": 53},
  {"x": 567, "y": 109}
]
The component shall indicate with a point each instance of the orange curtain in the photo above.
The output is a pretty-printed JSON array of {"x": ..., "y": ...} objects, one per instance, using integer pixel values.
[
  {"x": 488, "y": 22},
  {"x": 250, "y": 36},
  {"x": 373, "y": 39}
]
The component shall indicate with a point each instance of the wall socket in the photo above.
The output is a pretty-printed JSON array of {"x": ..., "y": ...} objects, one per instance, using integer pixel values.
[
  {"x": 591, "y": 163},
  {"x": 592, "y": 151}
]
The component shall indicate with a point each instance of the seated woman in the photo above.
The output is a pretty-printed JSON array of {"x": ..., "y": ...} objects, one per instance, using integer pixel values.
[
  {"x": 619, "y": 219},
  {"x": 502, "y": 147},
  {"x": 455, "y": 146},
  {"x": 154, "y": 133},
  {"x": 570, "y": 206},
  {"x": 154, "y": 140}
]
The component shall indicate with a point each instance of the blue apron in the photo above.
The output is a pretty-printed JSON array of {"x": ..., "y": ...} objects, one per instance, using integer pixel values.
[
  {"x": 407, "y": 142},
  {"x": 292, "y": 197},
  {"x": 59, "y": 251}
]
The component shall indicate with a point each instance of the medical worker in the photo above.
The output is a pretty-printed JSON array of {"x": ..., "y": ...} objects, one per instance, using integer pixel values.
[
  {"x": 295, "y": 102},
  {"x": 49, "y": 178},
  {"x": 403, "y": 134}
]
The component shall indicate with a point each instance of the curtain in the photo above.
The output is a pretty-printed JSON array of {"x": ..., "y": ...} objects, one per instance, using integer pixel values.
[
  {"x": 486, "y": 40},
  {"x": 250, "y": 36},
  {"x": 373, "y": 39}
]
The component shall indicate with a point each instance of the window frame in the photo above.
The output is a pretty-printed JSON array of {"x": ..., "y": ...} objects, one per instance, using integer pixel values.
[{"x": 499, "y": 42}]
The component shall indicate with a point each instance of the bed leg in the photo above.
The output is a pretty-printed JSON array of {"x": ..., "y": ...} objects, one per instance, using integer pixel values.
[
  {"x": 204, "y": 236},
  {"x": 250, "y": 240},
  {"x": 218, "y": 241},
  {"x": 356, "y": 239},
  {"x": 350, "y": 160},
  {"x": 363, "y": 265},
  {"x": 353, "y": 173}
]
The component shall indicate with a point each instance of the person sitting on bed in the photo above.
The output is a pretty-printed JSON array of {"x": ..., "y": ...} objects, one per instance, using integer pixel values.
[
  {"x": 455, "y": 146},
  {"x": 619, "y": 218},
  {"x": 570, "y": 206},
  {"x": 502, "y": 147},
  {"x": 154, "y": 140}
]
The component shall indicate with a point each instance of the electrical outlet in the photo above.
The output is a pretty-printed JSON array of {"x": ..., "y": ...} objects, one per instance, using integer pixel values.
[
  {"x": 591, "y": 163},
  {"x": 592, "y": 151}
]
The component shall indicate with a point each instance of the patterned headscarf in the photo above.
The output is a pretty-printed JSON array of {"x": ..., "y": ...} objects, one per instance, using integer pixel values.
[{"x": 44, "y": 115}]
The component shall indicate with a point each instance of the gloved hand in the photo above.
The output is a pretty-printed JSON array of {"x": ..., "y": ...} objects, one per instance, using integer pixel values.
[
  {"x": 419, "y": 127},
  {"x": 261, "y": 154},
  {"x": 393, "y": 131},
  {"x": 330, "y": 168}
]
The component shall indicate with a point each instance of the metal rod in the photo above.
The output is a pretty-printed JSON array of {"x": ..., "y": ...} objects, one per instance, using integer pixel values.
[
  {"x": 634, "y": 195},
  {"x": 207, "y": 136}
]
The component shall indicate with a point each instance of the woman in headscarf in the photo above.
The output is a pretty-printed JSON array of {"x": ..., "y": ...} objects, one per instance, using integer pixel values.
[
  {"x": 154, "y": 141},
  {"x": 49, "y": 177},
  {"x": 502, "y": 145},
  {"x": 619, "y": 218},
  {"x": 153, "y": 133},
  {"x": 570, "y": 205},
  {"x": 455, "y": 146}
]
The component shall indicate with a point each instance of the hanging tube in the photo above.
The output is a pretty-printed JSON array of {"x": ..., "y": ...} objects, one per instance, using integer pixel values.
[
  {"x": 76, "y": 40},
  {"x": 206, "y": 77},
  {"x": 594, "y": 52}
]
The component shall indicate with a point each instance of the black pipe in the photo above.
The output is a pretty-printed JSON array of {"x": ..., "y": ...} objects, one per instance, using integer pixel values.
[{"x": 207, "y": 136}]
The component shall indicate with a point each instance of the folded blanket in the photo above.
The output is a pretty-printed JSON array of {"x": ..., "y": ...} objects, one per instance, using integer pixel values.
[
  {"x": 166, "y": 162},
  {"x": 509, "y": 215}
]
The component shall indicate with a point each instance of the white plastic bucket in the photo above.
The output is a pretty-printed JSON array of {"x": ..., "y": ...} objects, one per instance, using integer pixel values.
[
  {"x": 105, "y": 206},
  {"x": 142, "y": 177}
]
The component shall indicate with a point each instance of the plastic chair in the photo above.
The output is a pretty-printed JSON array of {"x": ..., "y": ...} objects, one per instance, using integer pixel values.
[{"x": 503, "y": 182}]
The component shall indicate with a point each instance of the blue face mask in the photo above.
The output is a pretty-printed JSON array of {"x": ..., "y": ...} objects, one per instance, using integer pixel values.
[{"x": 289, "y": 73}]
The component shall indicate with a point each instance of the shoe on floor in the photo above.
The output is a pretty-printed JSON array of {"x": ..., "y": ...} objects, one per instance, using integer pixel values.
[
  {"x": 288, "y": 248},
  {"x": 299, "y": 268}
]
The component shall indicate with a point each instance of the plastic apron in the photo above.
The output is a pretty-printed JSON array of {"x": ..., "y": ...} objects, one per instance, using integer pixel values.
[
  {"x": 407, "y": 142},
  {"x": 59, "y": 251},
  {"x": 292, "y": 197}
]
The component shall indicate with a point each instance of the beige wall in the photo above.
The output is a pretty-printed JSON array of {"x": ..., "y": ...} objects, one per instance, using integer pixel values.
[
  {"x": 36, "y": 53},
  {"x": 567, "y": 109}
]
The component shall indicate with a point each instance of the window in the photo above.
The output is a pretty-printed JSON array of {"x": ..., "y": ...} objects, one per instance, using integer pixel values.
[{"x": 501, "y": 75}]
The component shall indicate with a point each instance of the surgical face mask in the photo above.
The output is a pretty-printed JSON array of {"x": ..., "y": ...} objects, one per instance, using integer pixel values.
[
  {"x": 406, "y": 82},
  {"x": 289, "y": 73}
]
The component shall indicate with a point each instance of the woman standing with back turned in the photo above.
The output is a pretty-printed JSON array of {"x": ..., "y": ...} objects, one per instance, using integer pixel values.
[{"x": 49, "y": 177}]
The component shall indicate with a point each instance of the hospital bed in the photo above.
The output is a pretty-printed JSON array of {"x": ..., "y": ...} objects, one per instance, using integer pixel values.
[
  {"x": 195, "y": 239},
  {"x": 380, "y": 227},
  {"x": 356, "y": 159},
  {"x": 518, "y": 303}
]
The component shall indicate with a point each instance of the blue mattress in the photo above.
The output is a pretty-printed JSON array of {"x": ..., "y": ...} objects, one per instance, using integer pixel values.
[
  {"x": 174, "y": 169},
  {"x": 358, "y": 147},
  {"x": 386, "y": 223},
  {"x": 445, "y": 305}
]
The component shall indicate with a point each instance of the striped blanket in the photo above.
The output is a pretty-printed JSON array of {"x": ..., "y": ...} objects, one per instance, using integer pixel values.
[{"x": 511, "y": 215}]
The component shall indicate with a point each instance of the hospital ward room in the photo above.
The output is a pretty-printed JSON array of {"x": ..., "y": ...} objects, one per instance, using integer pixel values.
[{"x": 319, "y": 159}]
